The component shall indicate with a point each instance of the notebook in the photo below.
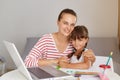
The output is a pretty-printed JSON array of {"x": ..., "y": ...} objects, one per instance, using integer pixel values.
[{"x": 41, "y": 73}]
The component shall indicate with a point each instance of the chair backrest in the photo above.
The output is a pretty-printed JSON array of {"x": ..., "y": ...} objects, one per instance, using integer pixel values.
[
  {"x": 101, "y": 46},
  {"x": 30, "y": 42}
]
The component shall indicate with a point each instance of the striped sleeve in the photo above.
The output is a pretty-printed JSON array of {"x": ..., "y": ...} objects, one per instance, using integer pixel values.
[
  {"x": 45, "y": 48},
  {"x": 37, "y": 52}
]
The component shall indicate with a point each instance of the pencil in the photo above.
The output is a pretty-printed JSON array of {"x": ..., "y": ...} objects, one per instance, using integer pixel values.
[
  {"x": 109, "y": 58},
  {"x": 58, "y": 67},
  {"x": 78, "y": 78},
  {"x": 87, "y": 73},
  {"x": 108, "y": 61}
]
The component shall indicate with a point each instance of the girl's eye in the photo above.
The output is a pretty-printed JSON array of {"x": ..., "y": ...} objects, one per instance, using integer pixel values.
[
  {"x": 71, "y": 40},
  {"x": 80, "y": 39}
]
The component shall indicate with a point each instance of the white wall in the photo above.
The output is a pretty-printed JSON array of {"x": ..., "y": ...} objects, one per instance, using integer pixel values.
[{"x": 20, "y": 19}]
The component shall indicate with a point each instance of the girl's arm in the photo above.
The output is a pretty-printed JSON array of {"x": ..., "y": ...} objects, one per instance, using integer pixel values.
[{"x": 80, "y": 65}]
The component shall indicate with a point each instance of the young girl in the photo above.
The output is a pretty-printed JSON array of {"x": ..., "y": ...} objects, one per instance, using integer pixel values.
[{"x": 79, "y": 39}]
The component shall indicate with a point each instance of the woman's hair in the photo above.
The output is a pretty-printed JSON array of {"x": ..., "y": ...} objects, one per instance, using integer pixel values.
[
  {"x": 68, "y": 11},
  {"x": 78, "y": 32}
]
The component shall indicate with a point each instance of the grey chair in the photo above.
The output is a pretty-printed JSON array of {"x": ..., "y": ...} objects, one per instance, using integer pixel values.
[
  {"x": 101, "y": 46},
  {"x": 30, "y": 42}
]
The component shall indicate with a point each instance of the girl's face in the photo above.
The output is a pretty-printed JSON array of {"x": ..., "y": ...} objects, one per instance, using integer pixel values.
[
  {"x": 79, "y": 44},
  {"x": 66, "y": 24}
]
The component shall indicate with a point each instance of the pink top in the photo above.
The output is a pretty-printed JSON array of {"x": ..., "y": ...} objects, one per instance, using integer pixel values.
[{"x": 45, "y": 48}]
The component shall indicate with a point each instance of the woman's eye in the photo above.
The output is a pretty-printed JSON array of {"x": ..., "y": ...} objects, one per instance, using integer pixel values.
[
  {"x": 73, "y": 25},
  {"x": 65, "y": 23}
]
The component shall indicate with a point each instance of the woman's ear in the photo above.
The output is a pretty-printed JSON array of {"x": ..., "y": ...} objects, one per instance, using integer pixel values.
[{"x": 57, "y": 22}]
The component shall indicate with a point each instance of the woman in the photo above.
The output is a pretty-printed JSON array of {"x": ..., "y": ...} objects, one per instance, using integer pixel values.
[{"x": 51, "y": 47}]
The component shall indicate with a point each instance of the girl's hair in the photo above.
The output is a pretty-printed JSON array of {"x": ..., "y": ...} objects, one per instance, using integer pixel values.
[
  {"x": 69, "y": 11},
  {"x": 78, "y": 32}
]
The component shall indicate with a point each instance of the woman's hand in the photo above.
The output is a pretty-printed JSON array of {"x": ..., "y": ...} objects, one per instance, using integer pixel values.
[
  {"x": 43, "y": 62},
  {"x": 90, "y": 55},
  {"x": 63, "y": 61},
  {"x": 63, "y": 64}
]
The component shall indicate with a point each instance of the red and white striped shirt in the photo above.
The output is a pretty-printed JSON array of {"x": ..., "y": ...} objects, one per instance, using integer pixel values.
[{"x": 45, "y": 48}]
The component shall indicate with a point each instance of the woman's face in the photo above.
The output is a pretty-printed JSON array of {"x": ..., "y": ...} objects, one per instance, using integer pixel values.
[
  {"x": 79, "y": 43},
  {"x": 66, "y": 24}
]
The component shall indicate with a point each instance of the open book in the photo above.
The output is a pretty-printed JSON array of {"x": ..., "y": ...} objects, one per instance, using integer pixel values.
[{"x": 94, "y": 69}]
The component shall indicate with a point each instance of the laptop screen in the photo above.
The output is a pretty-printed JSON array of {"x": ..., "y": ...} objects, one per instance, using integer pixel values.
[
  {"x": 17, "y": 59},
  {"x": 40, "y": 73}
]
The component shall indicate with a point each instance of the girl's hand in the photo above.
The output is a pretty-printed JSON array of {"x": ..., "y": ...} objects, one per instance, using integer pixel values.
[
  {"x": 90, "y": 55},
  {"x": 63, "y": 59}
]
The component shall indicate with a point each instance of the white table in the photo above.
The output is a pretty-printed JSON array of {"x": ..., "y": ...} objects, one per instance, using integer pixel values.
[
  {"x": 13, "y": 75},
  {"x": 95, "y": 68},
  {"x": 16, "y": 75}
]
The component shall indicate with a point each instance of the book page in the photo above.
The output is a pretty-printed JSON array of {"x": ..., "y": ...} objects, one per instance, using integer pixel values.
[{"x": 94, "y": 68}]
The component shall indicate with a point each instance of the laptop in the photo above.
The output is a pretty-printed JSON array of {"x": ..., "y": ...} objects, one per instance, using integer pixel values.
[{"x": 35, "y": 73}]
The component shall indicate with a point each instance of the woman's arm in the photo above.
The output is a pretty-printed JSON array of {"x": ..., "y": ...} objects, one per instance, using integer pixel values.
[
  {"x": 43, "y": 62},
  {"x": 36, "y": 53}
]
